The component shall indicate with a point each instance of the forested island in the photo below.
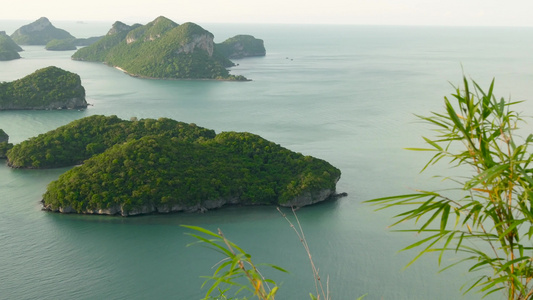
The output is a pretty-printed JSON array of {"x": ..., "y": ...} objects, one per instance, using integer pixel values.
[
  {"x": 47, "y": 88},
  {"x": 9, "y": 50},
  {"x": 163, "y": 49},
  {"x": 43, "y": 32},
  {"x": 241, "y": 46},
  {"x": 79, "y": 140},
  {"x": 39, "y": 32},
  {"x": 160, "y": 166},
  {"x": 61, "y": 45}
]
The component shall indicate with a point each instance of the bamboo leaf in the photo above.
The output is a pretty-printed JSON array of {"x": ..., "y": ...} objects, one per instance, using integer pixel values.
[
  {"x": 202, "y": 230},
  {"x": 505, "y": 266},
  {"x": 272, "y": 293},
  {"x": 487, "y": 175},
  {"x": 444, "y": 217},
  {"x": 420, "y": 149},
  {"x": 454, "y": 117},
  {"x": 432, "y": 143},
  {"x": 276, "y": 267}
]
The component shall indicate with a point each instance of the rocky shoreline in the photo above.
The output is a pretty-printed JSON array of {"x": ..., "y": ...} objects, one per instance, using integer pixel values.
[
  {"x": 73, "y": 103},
  {"x": 173, "y": 79},
  {"x": 300, "y": 201}
]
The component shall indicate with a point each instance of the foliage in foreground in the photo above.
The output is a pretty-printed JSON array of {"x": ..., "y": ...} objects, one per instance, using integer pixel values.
[
  {"x": 488, "y": 218},
  {"x": 236, "y": 270},
  {"x": 237, "y": 274}
]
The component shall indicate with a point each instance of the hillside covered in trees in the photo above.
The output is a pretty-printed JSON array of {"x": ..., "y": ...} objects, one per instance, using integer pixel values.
[
  {"x": 161, "y": 49},
  {"x": 241, "y": 46},
  {"x": 39, "y": 32},
  {"x": 147, "y": 166},
  {"x": 47, "y": 88},
  {"x": 9, "y": 50},
  {"x": 77, "y": 141},
  {"x": 61, "y": 45}
]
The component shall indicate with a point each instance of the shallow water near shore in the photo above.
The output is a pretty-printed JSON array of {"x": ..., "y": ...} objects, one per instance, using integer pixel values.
[{"x": 345, "y": 94}]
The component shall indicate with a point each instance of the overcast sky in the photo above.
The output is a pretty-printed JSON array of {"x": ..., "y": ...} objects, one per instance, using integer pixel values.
[{"x": 386, "y": 12}]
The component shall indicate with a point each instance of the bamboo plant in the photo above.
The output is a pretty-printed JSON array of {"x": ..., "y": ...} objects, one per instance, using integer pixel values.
[
  {"x": 236, "y": 274},
  {"x": 487, "y": 220},
  {"x": 236, "y": 270}
]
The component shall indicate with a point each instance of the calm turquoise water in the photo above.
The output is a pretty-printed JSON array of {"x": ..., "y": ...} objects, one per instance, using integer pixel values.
[{"x": 345, "y": 94}]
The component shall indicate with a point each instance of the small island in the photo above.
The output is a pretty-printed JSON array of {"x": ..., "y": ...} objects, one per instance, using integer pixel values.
[
  {"x": 61, "y": 45},
  {"x": 39, "y": 32},
  {"x": 164, "y": 49},
  {"x": 161, "y": 166},
  {"x": 241, "y": 46},
  {"x": 79, "y": 140},
  {"x": 9, "y": 50},
  {"x": 45, "y": 89},
  {"x": 4, "y": 144},
  {"x": 81, "y": 42}
]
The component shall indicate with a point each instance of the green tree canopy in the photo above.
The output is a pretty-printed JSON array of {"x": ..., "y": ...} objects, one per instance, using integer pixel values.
[{"x": 47, "y": 88}]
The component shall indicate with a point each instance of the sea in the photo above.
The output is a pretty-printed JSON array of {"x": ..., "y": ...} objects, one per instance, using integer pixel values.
[{"x": 348, "y": 94}]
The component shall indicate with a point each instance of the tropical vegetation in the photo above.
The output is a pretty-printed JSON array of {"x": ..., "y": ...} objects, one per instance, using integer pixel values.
[
  {"x": 241, "y": 46},
  {"x": 79, "y": 140},
  {"x": 162, "y": 163},
  {"x": 486, "y": 221},
  {"x": 160, "y": 172},
  {"x": 98, "y": 50},
  {"x": 160, "y": 49},
  {"x": 45, "y": 88}
]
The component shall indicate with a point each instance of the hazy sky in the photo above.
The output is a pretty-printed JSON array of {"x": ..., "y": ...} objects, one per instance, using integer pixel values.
[{"x": 388, "y": 12}]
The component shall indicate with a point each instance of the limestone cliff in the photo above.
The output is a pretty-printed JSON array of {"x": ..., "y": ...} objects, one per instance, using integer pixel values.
[
  {"x": 309, "y": 198},
  {"x": 202, "y": 41},
  {"x": 118, "y": 27}
]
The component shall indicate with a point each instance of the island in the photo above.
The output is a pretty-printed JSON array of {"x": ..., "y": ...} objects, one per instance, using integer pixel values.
[
  {"x": 9, "y": 50},
  {"x": 163, "y": 49},
  {"x": 39, "y": 32},
  {"x": 81, "y": 42},
  {"x": 45, "y": 89},
  {"x": 61, "y": 45},
  {"x": 241, "y": 46},
  {"x": 132, "y": 167},
  {"x": 81, "y": 139},
  {"x": 4, "y": 144}
]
